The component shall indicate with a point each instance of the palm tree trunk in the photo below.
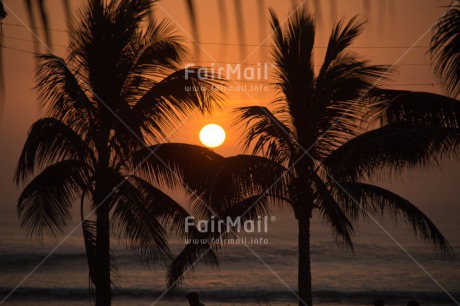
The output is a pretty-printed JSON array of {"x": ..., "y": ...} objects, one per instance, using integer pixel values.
[
  {"x": 304, "y": 272},
  {"x": 303, "y": 213},
  {"x": 101, "y": 199},
  {"x": 102, "y": 282}
]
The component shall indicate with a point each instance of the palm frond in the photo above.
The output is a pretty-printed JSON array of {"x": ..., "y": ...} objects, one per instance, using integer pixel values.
[
  {"x": 49, "y": 141},
  {"x": 293, "y": 56},
  {"x": 109, "y": 30},
  {"x": 40, "y": 5},
  {"x": 130, "y": 13},
  {"x": 68, "y": 13},
  {"x": 44, "y": 204},
  {"x": 171, "y": 163},
  {"x": 271, "y": 137},
  {"x": 89, "y": 238},
  {"x": 415, "y": 108},
  {"x": 445, "y": 50},
  {"x": 343, "y": 96},
  {"x": 156, "y": 54},
  {"x": 349, "y": 79},
  {"x": 235, "y": 180},
  {"x": 172, "y": 99},
  {"x": 209, "y": 178},
  {"x": 239, "y": 21},
  {"x": 201, "y": 246},
  {"x": 194, "y": 22},
  {"x": 134, "y": 222},
  {"x": 254, "y": 207},
  {"x": 342, "y": 36},
  {"x": 161, "y": 207},
  {"x": 84, "y": 31},
  {"x": 361, "y": 199},
  {"x": 224, "y": 24},
  {"x": 394, "y": 146},
  {"x": 188, "y": 259},
  {"x": 63, "y": 95},
  {"x": 33, "y": 23},
  {"x": 332, "y": 213},
  {"x": 250, "y": 208}
]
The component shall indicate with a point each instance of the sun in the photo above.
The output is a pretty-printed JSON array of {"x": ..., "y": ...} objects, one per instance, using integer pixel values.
[{"x": 212, "y": 135}]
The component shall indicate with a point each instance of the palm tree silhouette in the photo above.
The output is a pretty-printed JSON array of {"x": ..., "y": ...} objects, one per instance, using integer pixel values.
[
  {"x": 316, "y": 151},
  {"x": 445, "y": 50},
  {"x": 315, "y": 131},
  {"x": 120, "y": 87}
]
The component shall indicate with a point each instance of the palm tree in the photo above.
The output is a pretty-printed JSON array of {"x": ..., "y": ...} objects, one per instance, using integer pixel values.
[
  {"x": 316, "y": 151},
  {"x": 315, "y": 131},
  {"x": 120, "y": 87},
  {"x": 445, "y": 50}
]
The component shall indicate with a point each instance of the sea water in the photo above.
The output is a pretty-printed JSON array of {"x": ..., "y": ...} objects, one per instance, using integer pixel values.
[{"x": 249, "y": 274}]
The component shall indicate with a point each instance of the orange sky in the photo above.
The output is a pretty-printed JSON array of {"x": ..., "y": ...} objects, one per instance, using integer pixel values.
[{"x": 391, "y": 23}]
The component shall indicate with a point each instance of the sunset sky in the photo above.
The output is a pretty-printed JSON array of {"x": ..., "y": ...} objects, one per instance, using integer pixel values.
[
  {"x": 388, "y": 260},
  {"x": 397, "y": 32}
]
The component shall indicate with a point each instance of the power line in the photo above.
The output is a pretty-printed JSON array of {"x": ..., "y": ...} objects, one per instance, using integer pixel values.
[
  {"x": 316, "y": 65},
  {"x": 235, "y": 44},
  {"x": 389, "y": 85},
  {"x": 211, "y": 62},
  {"x": 31, "y": 41},
  {"x": 416, "y": 84},
  {"x": 316, "y": 47},
  {"x": 19, "y": 50},
  {"x": 35, "y": 28},
  {"x": 249, "y": 81}
]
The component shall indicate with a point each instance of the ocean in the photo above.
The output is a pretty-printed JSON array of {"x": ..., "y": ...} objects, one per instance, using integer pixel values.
[{"x": 262, "y": 274}]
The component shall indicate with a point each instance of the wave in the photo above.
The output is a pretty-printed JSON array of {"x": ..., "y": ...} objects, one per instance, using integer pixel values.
[
  {"x": 17, "y": 259},
  {"x": 324, "y": 252},
  {"x": 230, "y": 295}
]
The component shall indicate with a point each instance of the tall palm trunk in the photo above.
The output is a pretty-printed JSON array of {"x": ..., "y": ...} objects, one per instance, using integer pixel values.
[
  {"x": 102, "y": 282},
  {"x": 102, "y": 269},
  {"x": 304, "y": 269},
  {"x": 303, "y": 211}
]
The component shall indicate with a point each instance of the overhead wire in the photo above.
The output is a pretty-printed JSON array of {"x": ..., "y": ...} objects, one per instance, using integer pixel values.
[
  {"x": 208, "y": 62},
  {"x": 31, "y": 41},
  {"x": 231, "y": 44},
  {"x": 225, "y": 44},
  {"x": 254, "y": 82}
]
